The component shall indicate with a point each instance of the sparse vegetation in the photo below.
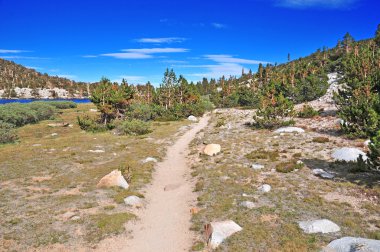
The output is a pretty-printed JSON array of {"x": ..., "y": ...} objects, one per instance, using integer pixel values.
[
  {"x": 321, "y": 140},
  {"x": 134, "y": 127},
  {"x": 307, "y": 112},
  {"x": 288, "y": 166}
]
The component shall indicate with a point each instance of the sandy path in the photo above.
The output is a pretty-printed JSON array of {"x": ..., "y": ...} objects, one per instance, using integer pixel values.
[{"x": 164, "y": 224}]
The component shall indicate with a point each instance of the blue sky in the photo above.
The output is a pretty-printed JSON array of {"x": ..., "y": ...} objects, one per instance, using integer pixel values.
[{"x": 138, "y": 39}]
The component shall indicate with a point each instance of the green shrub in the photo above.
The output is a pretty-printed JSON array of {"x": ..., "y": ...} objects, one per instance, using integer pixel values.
[
  {"x": 62, "y": 104},
  {"x": 288, "y": 166},
  {"x": 307, "y": 112},
  {"x": 134, "y": 127},
  {"x": 321, "y": 140},
  {"x": 220, "y": 122},
  {"x": 143, "y": 112},
  {"x": 43, "y": 110},
  {"x": 88, "y": 123},
  {"x": 7, "y": 133}
]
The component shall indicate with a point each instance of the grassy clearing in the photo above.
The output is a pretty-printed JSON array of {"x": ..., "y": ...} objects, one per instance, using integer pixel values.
[
  {"x": 272, "y": 225},
  {"x": 50, "y": 172}
]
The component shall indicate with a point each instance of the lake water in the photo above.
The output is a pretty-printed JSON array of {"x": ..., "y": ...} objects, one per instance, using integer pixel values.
[{"x": 5, "y": 101}]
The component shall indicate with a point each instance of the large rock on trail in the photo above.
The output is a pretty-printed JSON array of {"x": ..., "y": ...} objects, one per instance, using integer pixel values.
[
  {"x": 114, "y": 178},
  {"x": 353, "y": 244},
  {"x": 216, "y": 232},
  {"x": 212, "y": 149},
  {"x": 192, "y": 118},
  {"x": 134, "y": 201},
  {"x": 348, "y": 154},
  {"x": 319, "y": 226}
]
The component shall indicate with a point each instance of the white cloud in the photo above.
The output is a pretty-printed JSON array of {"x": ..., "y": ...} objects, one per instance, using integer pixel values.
[
  {"x": 67, "y": 76},
  {"x": 143, "y": 53},
  {"x": 218, "y": 25},
  {"x": 331, "y": 4},
  {"x": 89, "y": 56},
  {"x": 156, "y": 50},
  {"x": 21, "y": 57},
  {"x": 224, "y": 58},
  {"x": 12, "y": 51},
  {"x": 128, "y": 55},
  {"x": 35, "y": 68},
  {"x": 161, "y": 40},
  {"x": 175, "y": 61},
  {"x": 131, "y": 79}
]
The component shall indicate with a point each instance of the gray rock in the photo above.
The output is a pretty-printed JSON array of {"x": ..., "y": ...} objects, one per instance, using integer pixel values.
[
  {"x": 150, "y": 159},
  {"x": 353, "y": 244},
  {"x": 257, "y": 166},
  {"x": 265, "y": 188},
  {"x": 192, "y": 118},
  {"x": 348, "y": 154},
  {"x": 319, "y": 226},
  {"x": 217, "y": 232},
  {"x": 96, "y": 151},
  {"x": 322, "y": 173},
  {"x": 134, "y": 201},
  {"x": 248, "y": 204},
  {"x": 289, "y": 130}
]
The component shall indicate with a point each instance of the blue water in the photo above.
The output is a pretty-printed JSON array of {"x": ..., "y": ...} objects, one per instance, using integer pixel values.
[{"x": 5, "y": 101}]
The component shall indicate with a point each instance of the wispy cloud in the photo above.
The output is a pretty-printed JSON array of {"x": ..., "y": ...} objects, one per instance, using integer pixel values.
[
  {"x": 35, "y": 68},
  {"x": 21, "y": 57},
  {"x": 226, "y": 65},
  {"x": 161, "y": 40},
  {"x": 13, "y": 51},
  {"x": 67, "y": 76},
  {"x": 143, "y": 53},
  {"x": 301, "y": 4},
  {"x": 225, "y": 58},
  {"x": 89, "y": 56},
  {"x": 175, "y": 61},
  {"x": 131, "y": 79},
  {"x": 219, "y": 25}
]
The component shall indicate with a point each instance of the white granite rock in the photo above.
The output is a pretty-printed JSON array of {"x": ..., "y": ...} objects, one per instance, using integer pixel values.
[
  {"x": 192, "y": 118},
  {"x": 134, "y": 201},
  {"x": 257, "y": 166},
  {"x": 265, "y": 188},
  {"x": 348, "y": 154},
  {"x": 322, "y": 173},
  {"x": 353, "y": 244},
  {"x": 289, "y": 130},
  {"x": 212, "y": 149},
  {"x": 248, "y": 204},
  {"x": 319, "y": 226},
  {"x": 217, "y": 232},
  {"x": 114, "y": 178}
]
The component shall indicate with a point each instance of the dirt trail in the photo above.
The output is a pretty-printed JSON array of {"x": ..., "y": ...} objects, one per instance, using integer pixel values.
[{"x": 163, "y": 226}]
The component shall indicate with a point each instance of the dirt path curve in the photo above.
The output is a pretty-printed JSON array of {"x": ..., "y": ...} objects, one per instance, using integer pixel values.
[{"x": 164, "y": 224}]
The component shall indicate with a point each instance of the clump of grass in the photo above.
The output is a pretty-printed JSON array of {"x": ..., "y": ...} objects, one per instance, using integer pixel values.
[
  {"x": 321, "y": 140},
  {"x": 220, "y": 122},
  {"x": 297, "y": 155},
  {"x": 288, "y": 166},
  {"x": 199, "y": 185},
  {"x": 198, "y": 246},
  {"x": 134, "y": 127},
  {"x": 103, "y": 225},
  {"x": 263, "y": 154}
]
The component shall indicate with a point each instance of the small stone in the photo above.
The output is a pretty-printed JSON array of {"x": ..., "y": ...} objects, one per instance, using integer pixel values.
[
  {"x": 248, "y": 204},
  {"x": 319, "y": 226},
  {"x": 134, "y": 201},
  {"x": 75, "y": 218},
  {"x": 265, "y": 188},
  {"x": 192, "y": 118},
  {"x": 224, "y": 178},
  {"x": 96, "y": 151},
  {"x": 322, "y": 173},
  {"x": 257, "y": 166},
  {"x": 149, "y": 159},
  {"x": 194, "y": 210},
  {"x": 54, "y": 134}
]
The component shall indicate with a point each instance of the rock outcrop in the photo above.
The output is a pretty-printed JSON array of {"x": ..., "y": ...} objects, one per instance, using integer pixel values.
[
  {"x": 348, "y": 154},
  {"x": 353, "y": 244},
  {"x": 319, "y": 226}
]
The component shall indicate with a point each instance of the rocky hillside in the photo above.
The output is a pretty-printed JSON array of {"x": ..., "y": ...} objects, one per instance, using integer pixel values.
[{"x": 17, "y": 81}]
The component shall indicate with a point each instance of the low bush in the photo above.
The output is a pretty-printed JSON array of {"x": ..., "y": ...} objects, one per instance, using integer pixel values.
[
  {"x": 7, "y": 133},
  {"x": 321, "y": 140},
  {"x": 91, "y": 124},
  {"x": 288, "y": 166},
  {"x": 307, "y": 112},
  {"x": 134, "y": 127},
  {"x": 62, "y": 104}
]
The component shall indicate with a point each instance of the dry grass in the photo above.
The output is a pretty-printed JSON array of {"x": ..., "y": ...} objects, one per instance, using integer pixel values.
[
  {"x": 42, "y": 177},
  {"x": 272, "y": 225}
]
